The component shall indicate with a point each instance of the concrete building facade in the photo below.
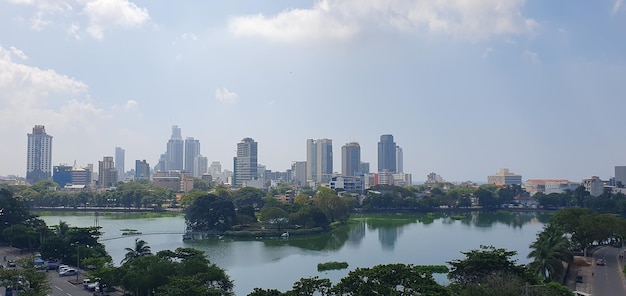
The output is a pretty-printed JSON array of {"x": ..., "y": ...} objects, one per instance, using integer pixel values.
[
  {"x": 387, "y": 154},
  {"x": 246, "y": 162},
  {"x": 38, "y": 155},
  {"x": 350, "y": 159}
]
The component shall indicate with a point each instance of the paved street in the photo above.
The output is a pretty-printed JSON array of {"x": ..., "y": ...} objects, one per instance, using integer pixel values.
[
  {"x": 60, "y": 286},
  {"x": 608, "y": 280}
]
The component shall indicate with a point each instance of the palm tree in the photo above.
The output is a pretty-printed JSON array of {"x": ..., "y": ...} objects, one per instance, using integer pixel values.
[
  {"x": 550, "y": 251},
  {"x": 141, "y": 249}
]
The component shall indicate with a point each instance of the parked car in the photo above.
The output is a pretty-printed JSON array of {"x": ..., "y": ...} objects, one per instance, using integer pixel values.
[
  {"x": 68, "y": 272},
  {"x": 600, "y": 262},
  {"x": 93, "y": 286}
]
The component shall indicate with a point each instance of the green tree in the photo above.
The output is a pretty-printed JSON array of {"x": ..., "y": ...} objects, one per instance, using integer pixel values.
[
  {"x": 331, "y": 204},
  {"x": 479, "y": 264},
  {"x": 140, "y": 249},
  {"x": 549, "y": 252},
  {"x": 249, "y": 196},
  {"x": 486, "y": 198},
  {"x": 311, "y": 286},
  {"x": 274, "y": 217},
  {"x": 390, "y": 279},
  {"x": 210, "y": 212}
]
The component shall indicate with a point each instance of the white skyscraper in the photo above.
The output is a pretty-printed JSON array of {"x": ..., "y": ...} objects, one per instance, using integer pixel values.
[
  {"x": 399, "y": 160},
  {"x": 39, "y": 155}
]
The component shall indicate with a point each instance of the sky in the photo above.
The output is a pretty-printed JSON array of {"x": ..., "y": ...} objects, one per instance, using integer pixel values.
[{"x": 466, "y": 87}]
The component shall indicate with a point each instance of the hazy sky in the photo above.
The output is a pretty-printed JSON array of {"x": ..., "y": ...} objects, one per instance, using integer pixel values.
[{"x": 465, "y": 86}]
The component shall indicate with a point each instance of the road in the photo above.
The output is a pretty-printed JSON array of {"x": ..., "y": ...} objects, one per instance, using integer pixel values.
[
  {"x": 61, "y": 286},
  {"x": 608, "y": 280}
]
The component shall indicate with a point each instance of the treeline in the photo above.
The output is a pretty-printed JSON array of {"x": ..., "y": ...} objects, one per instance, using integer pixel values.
[{"x": 135, "y": 194}]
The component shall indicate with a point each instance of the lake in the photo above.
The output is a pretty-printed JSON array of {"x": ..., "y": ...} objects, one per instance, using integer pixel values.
[{"x": 367, "y": 240}]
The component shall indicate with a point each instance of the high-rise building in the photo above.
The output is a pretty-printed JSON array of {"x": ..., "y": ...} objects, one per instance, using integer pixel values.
[
  {"x": 319, "y": 159},
  {"x": 142, "y": 169},
  {"x": 200, "y": 166},
  {"x": 192, "y": 150},
  {"x": 365, "y": 168},
  {"x": 387, "y": 154},
  {"x": 620, "y": 176},
  {"x": 399, "y": 160},
  {"x": 39, "y": 155},
  {"x": 119, "y": 160},
  {"x": 175, "y": 151},
  {"x": 298, "y": 173},
  {"x": 107, "y": 174},
  {"x": 62, "y": 175},
  {"x": 71, "y": 175},
  {"x": 215, "y": 168},
  {"x": 350, "y": 159},
  {"x": 245, "y": 163}
]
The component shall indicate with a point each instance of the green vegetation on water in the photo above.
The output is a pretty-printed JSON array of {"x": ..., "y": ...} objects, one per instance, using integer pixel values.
[{"x": 333, "y": 265}]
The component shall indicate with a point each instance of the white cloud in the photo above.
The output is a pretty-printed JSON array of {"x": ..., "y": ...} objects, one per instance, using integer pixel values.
[
  {"x": 342, "y": 19},
  {"x": 617, "y": 4},
  {"x": 18, "y": 53},
  {"x": 532, "y": 56},
  {"x": 29, "y": 93},
  {"x": 130, "y": 105},
  {"x": 113, "y": 13},
  {"x": 101, "y": 15},
  {"x": 226, "y": 96}
]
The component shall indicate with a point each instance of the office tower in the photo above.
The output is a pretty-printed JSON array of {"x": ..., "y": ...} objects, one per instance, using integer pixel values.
[
  {"x": 192, "y": 150},
  {"x": 200, "y": 166},
  {"x": 386, "y": 154},
  {"x": 142, "y": 169},
  {"x": 399, "y": 160},
  {"x": 38, "y": 155},
  {"x": 175, "y": 150},
  {"x": 620, "y": 176},
  {"x": 107, "y": 174},
  {"x": 365, "y": 168},
  {"x": 215, "y": 168},
  {"x": 119, "y": 160},
  {"x": 298, "y": 173},
  {"x": 245, "y": 163},
  {"x": 350, "y": 159},
  {"x": 161, "y": 164},
  {"x": 62, "y": 175},
  {"x": 71, "y": 175},
  {"x": 319, "y": 160}
]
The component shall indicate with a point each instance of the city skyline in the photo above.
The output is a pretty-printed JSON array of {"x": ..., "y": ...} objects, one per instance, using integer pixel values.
[{"x": 465, "y": 89}]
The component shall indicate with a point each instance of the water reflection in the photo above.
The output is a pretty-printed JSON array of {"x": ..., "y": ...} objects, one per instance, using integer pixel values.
[{"x": 366, "y": 240}]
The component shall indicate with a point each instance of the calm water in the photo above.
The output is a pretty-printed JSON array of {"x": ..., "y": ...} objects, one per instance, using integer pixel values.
[{"x": 368, "y": 240}]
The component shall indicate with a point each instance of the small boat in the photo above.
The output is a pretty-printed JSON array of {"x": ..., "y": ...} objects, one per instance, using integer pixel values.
[{"x": 285, "y": 235}]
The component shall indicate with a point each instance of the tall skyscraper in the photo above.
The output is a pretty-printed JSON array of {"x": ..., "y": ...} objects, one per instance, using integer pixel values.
[
  {"x": 39, "y": 155},
  {"x": 200, "y": 166},
  {"x": 350, "y": 159},
  {"x": 119, "y": 160},
  {"x": 175, "y": 151},
  {"x": 107, "y": 174},
  {"x": 319, "y": 159},
  {"x": 399, "y": 160},
  {"x": 142, "y": 169},
  {"x": 192, "y": 150},
  {"x": 245, "y": 163},
  {"x": 387, "y": 154},
  {"x": 620, "y": 176}
]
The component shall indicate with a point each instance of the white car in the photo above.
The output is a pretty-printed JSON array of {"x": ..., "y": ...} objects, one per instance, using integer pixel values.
[{"x": 68, "y": 272}]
